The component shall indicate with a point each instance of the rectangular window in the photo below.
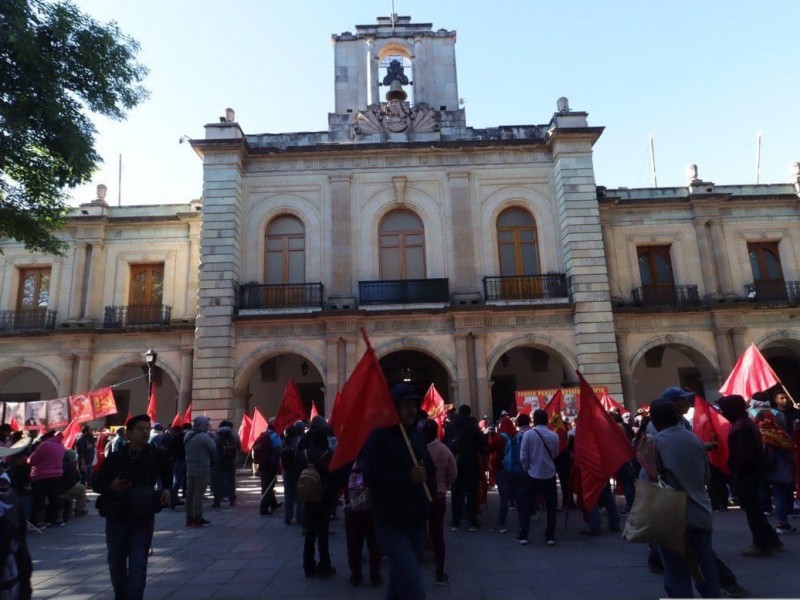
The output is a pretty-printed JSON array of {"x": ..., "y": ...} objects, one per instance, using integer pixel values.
[
  {"x": 765, "y": 262},
  {"x": 34, "y": 288},
  {"x": 655, "y": 273}
]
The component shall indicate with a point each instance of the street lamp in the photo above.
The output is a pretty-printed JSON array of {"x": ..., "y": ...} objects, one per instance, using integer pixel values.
[{"x": 150, "y": 358}]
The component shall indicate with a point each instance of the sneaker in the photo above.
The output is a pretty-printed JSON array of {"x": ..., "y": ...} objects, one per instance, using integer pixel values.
[
  {"x": 60, "y": 524},
  {"x": 734, "y": 590},
  {"x": 755, "y": 552},
  {"x": 474, "y": 527},
  {"x": 551, "y": 542},
  {"x": 442, "y": 578},
  {"x": 454, "y": 527},
  {"x": 522, "y": 541},
  {"x": 202, "y": 522},
  {"x": 767, "y": 513},
  {"x": 785, "y": 528},
  {"x": 500, "y": 529}
]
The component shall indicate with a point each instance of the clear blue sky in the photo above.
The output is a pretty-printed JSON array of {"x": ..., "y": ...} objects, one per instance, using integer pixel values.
[{"x": 702, "y": 77}]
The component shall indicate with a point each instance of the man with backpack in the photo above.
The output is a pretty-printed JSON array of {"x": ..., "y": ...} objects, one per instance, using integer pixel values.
[
  {"x": 508, "y": 472},
  {"x": 466, "y": 442},
  {"x": 289, "y": 447},
  {"x": 537, "y": 455},
  {"x": 266, "y": 454},
  {"x": 228, "y": 446}
]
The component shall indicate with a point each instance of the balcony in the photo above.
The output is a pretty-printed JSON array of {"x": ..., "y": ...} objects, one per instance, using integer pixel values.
[
  {"x": 403, "y": 291},
  {"x": 526, "y": 287},
  {"x": 773, "y": 291},
  {"x": 27, "y": 319},
  {"x": 144, "y": 315},
  {"x": 667, "y": 295},
  {"x": 286, "y": 296}
]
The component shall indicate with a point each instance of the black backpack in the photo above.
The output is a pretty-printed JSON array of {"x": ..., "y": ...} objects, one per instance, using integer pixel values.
[{"x": 227, "y": 447}]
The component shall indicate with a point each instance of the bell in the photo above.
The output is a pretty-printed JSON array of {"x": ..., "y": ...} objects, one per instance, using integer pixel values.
[{"x": 396, "y": 92}]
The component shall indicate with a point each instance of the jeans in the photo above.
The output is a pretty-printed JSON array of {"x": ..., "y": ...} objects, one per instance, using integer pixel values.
[
  {"x": 624, "y": 478},
  {"x": 747, "y": 492},
  {"x": 607, "y": 501},
  {"x": 505, "y": 491},
  {"x": 291, "y": 504},
  {"x": 465, "y": 486},
  {"x": 128, "y": 544},
  {"x": 268, "y": 475},
  {"x": 178, "y": 481},
  {"x": 226, "y": 482},
  {"x": 195, "y": 489},
  {"x": 403, "y": 546},
  {"x": 782, "y": 496},
  {"x": 360, "y": 528},
  {"x": 678, "y": 579},
  {"x": 86, "y": 473},
  {"x": 436, "y": 529},
  {"x": 316, "y": 520},
  {"x": 533, "y": 488}
]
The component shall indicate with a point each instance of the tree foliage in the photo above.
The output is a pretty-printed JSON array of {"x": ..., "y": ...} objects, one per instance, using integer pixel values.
[{"x": 57, "y": 66}]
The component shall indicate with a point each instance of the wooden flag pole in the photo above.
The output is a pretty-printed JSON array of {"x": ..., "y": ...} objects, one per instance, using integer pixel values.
[{"x": 402, "y": 430}]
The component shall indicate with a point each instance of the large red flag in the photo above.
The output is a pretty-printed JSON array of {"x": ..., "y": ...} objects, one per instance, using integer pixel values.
[
  {"x": 601, "y": 447},
  {"x": 366, "y": 404},
  {"x": 178, "y": 420},
  {"x": 555, "y": 421},
  {"x": 291, "y": 408},
  {"x": 750, "y": 374},
  {"x": 336, "y": 402},
  {"x": 151, "y": 405},
  {"x": 244, "y": 433},
  {"x": 187, "y": 418},
  {"x": 710, "y": 426},
  {"x": 71, "y": 433},
  {"x": 433, "y": 404},
  {"x": 257, "y": 427}
]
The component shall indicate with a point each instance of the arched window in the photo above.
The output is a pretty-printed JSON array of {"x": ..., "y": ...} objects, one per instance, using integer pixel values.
[
  {"x": 517, "y": 243},
  {"x": 285, "y": 245},
  {"x": 402, "y": 246}
]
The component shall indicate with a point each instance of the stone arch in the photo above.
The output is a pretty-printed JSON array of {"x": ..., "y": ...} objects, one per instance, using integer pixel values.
[
  {"x": 131, "y": 359},
  {"x": 10, "y": 368},
  {"x": 789, "y": 339},
  {"x": 563, "y": 354},
  {"x": 248, "y": 365},
  {"x": 419, "y": 345},
  {"x": 395, "y": 46},
  {"x": 696, "y": 351}
]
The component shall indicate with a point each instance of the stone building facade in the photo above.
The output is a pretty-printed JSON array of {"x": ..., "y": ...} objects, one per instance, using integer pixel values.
[{"x": 482, "y": 260}]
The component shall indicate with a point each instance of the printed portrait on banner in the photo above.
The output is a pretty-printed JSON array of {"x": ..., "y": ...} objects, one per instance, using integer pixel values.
[
  {"x": 36, "y": 414},
  {"x": 103, "y": 403},
  {"x": 16, "y": 411},
  {"x": 57, "y": 413},
  {"x": 80, "y": 408},
  {"x": 530, "y": 400}
]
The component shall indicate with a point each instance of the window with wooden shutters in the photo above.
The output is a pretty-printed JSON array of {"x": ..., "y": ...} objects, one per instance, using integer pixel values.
[
  {"x": 285, "y": 251},
  {"x": 765, "y": 262},
  {"x": 146, "y": 294},
  {"x": 34, "y": 288},
  {"x": 517, "y": 243},
  {"x": 655, "y": 273},
  {"x": 402, "y": 246}
]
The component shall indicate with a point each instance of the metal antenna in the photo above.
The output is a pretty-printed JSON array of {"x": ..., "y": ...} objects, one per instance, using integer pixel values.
[
  {"x": 653, "y": 162},
  {"x": 119, "y": 182},
  {"x": 393, "y": 16},
  {"x": 758, "y": 157}
]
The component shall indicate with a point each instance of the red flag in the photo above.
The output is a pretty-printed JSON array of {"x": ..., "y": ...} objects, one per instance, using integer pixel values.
[
  {"x": 244, "y": 433},
  {"x": 314, "y": 411},
  {"x": 366, "y": 404},
  {"x": 555, "y": 421},
  {"x": 12, "y": 422},
  {"x": 258, "y": 426},
  {"x": 601, "y": 447},
  {"x": 750, "y": 374},
  {"x": 710, "y": 426},
  {"x": 187, "y": 418},
  {"x": 291, "y": 409},
  {"x": 609, "y": 402},
  {"x": 433, "y": 404},
  {"x": 336, "y": 402},
  {"x": 71, "y": 433},
  {"x": 151, "y": 405},
  {"x": 178, "y": 420}
]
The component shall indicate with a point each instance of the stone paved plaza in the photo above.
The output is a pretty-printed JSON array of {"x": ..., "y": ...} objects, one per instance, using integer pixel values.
[{"x": 242, "y": 555}]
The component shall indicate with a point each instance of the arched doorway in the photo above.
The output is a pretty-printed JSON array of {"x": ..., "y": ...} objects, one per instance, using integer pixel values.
[
  {"x": 526, "y": 368},
  {"x": 267, "y": 383},
  {"x": 784, "y": 358},
  {"x": 131, "y": 394},
  {"x": 673, "y": 364},
  {"x": 22, "y": 384},
  {"x": 417, "y": 369}
]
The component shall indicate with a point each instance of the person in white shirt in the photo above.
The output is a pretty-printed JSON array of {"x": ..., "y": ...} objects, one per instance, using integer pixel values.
[{"x": 537, "y": 453}]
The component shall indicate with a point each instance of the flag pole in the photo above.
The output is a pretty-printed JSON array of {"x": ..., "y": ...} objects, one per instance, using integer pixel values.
[{"x": 403, "y": 431}]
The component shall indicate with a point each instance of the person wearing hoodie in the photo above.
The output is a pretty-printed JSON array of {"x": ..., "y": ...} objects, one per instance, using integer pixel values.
[
  {"x": 289, "y": 448},
  {"x": 201, "y": 453},
  {"x": 228, "y": 448},
  {"x": 507, "y": 472},
  {"x": 46, "y": 470},
  {"x": 466, "y": 442},
  {"x": 747, "y": 462},
  {"x": 397, "y": 481}
]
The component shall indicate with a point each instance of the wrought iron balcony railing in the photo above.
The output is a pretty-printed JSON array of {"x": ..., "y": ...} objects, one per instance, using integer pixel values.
[
  {"x": 666, "y": 295},
  {"x": 27, "y": 319},
  {"x": 403, "y": 291},
  {"x": 526, "y": 287},
  {"x": 773, "y": 291},
  {"x": 143, "y": 315},
  {"x": 290, "y": 295}
]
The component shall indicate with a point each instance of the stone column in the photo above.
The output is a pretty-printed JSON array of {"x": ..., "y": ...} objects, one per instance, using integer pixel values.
[
  {"x": 185, "y": 390},
  {"x": 419, "y": 75},
  {"x": 626, "y": 373},
  {"x": 720, "y": 254},
  {"x": 332, "y": 385},
  {"x": 94, "y": 301},
  {"x": 78, "y": 273},
  {"x": 707, "y": 270},
  {"x": 585, "y": 262},
  {"x": 341, "y": 292},
  {"x": 84, "y": 371},
  {"x": 738, "y": 342},
  {"x": 372, "y": 76},
  {"x": 482, "y": 376},
  {"x": 65, "y": 381},
  {"x": 192, "y": 268},
  {"x": 462, "y": 285},
  {"x": 463, "y": 371},
  {"x": 214, "y": 361},
  {"x": 724, "y": 352}
]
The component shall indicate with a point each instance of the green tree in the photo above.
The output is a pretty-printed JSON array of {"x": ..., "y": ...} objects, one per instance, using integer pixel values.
[{"x": 57, "y": 66}]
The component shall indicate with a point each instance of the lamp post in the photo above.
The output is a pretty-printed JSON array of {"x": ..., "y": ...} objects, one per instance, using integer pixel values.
[{"x": 150, "y": 358}]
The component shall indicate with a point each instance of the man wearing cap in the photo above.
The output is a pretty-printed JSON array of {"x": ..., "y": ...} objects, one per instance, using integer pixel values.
[{"x": 400, "y": 506}]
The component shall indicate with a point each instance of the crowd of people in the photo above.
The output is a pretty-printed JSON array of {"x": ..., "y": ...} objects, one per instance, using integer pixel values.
[{"x": 395, "y": 492}]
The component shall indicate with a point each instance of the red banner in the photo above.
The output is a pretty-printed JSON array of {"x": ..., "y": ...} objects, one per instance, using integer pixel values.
[
  {"x": 80, "y": 407},
  {"x": 530, "y": 400},
  {"x": 103, "y": 402}
]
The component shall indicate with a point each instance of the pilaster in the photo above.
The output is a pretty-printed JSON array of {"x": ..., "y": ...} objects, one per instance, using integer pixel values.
[
  {"x": 463, "y": 370},
  {"x": 341, "y": 293},
  {"x": 463, "y": 283},
  {"x": 76, "y": 295},
  {"x": 65, "y": 380}
]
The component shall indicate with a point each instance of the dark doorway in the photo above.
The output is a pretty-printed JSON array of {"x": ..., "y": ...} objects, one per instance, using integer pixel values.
[
  {"x": 503, "y": 397},
  {"x": 418, "y": 370}
]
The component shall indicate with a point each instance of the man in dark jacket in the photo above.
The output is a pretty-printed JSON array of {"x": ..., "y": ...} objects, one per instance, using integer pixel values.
[
  {"x": 747, "y": 462},
  {"x": 397, "y": 482},
  {"x": 228, "y": 448},
  {"x": 466, "y": 442},
  {"x": 85, "y": 447}
]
